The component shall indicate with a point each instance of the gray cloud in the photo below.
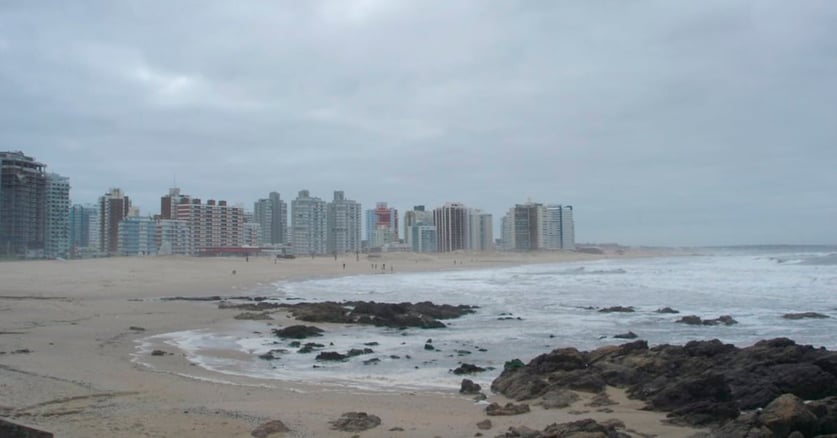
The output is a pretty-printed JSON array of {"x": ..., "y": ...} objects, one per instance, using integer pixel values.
[{"x": 662, "y": 123}]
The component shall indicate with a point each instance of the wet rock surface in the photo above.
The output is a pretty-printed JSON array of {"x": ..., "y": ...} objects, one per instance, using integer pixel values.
[
  {"x": 469, "y": 387},
  {"x": 696, "y": 320},
  {"x": 700, "y": 383},
  {"x": 422, "y": 315},
  {"x": 805, "y": 315},
  {"x": 618, "y": 309},
  {"x": 298, "y": 332}
]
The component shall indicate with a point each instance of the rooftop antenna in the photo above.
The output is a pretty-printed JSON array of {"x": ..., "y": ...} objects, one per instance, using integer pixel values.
[{"x": 174, "y": 179}]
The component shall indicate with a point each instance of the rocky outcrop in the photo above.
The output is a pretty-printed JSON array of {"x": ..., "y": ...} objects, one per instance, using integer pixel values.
[
  {"x": 422, "y": 315},
  {"x": 696, "y": 320},
  {"x": 785, "y": 416},
  {"x": 702, "y": 382},
  {"x": 628, "y": 335},
  {"x": 805, "y": 315},
  {"x": 619, "y": 309},
  {"x": 586, "y": 428},
  {"x": 467, "y": 368},
  {"x": 469, "y": 387},
  {"x": 298, "y": 332},
  {"x": 667, "y": 310},
  {"x": 355, "y": 422}
]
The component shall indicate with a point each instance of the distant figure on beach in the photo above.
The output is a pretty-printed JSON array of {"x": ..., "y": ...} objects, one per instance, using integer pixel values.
[
  {"x": 344, "y": 266},
  {"x": 233, "y": 271},
  {"x": 384, "y": 267}
]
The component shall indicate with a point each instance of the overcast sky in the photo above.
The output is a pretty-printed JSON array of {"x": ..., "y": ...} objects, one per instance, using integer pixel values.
[{"x": 662, "y": 123}]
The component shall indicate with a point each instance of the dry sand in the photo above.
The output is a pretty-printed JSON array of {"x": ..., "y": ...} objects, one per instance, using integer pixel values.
[{"x": 80, "y": 376}]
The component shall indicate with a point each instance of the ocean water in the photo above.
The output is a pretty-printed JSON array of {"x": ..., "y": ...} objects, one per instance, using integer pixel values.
[{"x": 529, "y": 310}]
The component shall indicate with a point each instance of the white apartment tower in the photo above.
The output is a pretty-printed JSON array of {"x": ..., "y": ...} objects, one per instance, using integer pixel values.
[
  {"x": 308, "y": 225},
  {"x": 343, "y": 222},
  {"x": 480, "y": 230},
  {"x": 57, "y": 236}
]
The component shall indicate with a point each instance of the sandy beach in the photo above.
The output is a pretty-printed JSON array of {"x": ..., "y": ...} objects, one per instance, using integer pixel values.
[{"x": 71, "y": 366}]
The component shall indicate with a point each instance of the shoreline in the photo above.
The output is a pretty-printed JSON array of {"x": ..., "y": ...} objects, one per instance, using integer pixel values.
[{"x": 79, "y": 321}]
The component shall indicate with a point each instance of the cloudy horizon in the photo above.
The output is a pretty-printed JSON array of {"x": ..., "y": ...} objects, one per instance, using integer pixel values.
[{"x": 662, "y": 123}]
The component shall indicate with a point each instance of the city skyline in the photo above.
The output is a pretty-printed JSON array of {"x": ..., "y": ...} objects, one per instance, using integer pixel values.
[{"x": 693, "y": 123}]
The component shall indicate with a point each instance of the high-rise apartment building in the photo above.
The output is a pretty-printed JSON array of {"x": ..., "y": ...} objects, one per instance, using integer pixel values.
[
  {"x": 212, "y": 225},
  {"x": 480, "y": 230},
  {"x": 423, "y": 237},
  {"x": 169, "y": 203},
  {"x": 534, "y": 226},
  {"x": 308, "y": 225},
  {"x": 272, "y": 214},
  {"x": 137, "y": 236},
  {"x": 252, "y": 234},
  {"x": 114, "y": 206},
  {"x": 22, "y": 205},
  {"x": 79, "y": 226},
  {"x": 413, "y": 217},
  {"x": 381, "y": 225},
  {"x": 174, "y": 237},
  {"x": 343, "y": 222},
  {"x": 451, "y": 222},
  {"x": 57, "y": 235}
]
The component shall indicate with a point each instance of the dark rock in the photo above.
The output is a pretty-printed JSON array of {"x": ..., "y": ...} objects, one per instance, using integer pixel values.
[
  {"x": 484, "y": 424},
  {"x": 373, "y": 361},
  {"x": 469, "y": 387},
  {"x": 804, "y": 315},
  {"x": 252, "y": 316},
  {"x": 513, "y": 364},
  {"x": 691, "y": 320},
  {"x": 271, "y": 427},
  {"x": 429, "y": 347},
  {"x": 159, "y": 353},
  {"x": 629, "y": 335},
  {"x": 309, "y": 347},
  {"x": 724, "y": 319},
  {"x": 495, "y": 409},
  {"x": 395, "y": 315},
  {"x": 621, "y": 309},
  {"x": 357, "y": 352},
  {"x": 271, "y": 355},
  {"x": 355, "y": 422},
  {"x": 467, "y": 368},
  {"x": 331, "y": 356},
  {"x": 136, "y": 329},
  {"x": 298, "y": 332},
  {"x": 667, "y": 310}
]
